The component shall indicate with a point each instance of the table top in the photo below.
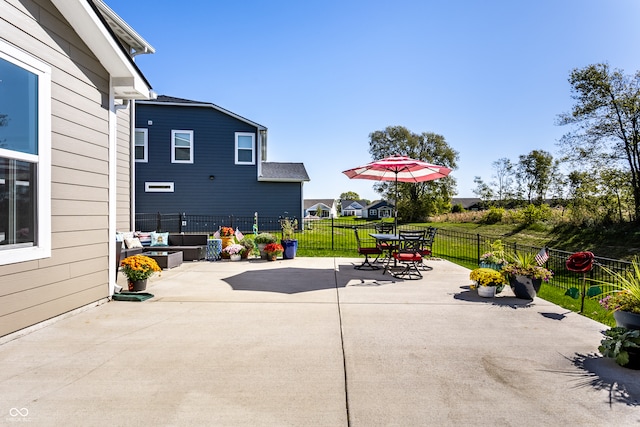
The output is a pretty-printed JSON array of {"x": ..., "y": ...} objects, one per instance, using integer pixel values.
[{"x": 379, "y": 236}]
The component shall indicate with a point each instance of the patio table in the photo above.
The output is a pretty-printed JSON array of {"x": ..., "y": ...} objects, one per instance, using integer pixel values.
[{"x": 387, "y": 238}]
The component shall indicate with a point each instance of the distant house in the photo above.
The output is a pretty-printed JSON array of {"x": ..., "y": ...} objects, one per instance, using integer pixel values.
[
  {"x": 469, "y": 203},
  {"x": 378, "y": 210},
  {"x": 68, "y": 85},
  {"x": 321, "y": 208},
  {"x": 198, "y": 158},
  {"x": 352, "y": 208}
]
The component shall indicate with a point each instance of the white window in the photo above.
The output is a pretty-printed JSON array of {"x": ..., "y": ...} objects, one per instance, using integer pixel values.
[
  {"x": 245, "y": 152},
  {"x": 25, "y": 156},
  {"x": 141, "y": 145},
  {"x": 158, "y": 187},
  {"x": 181, "y": 146}
]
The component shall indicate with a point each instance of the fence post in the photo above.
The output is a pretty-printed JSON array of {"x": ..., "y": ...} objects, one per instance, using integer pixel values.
[
  {"x": 180, "y": 222},
  {"x": 159, "y": 222},
  {"x": 332, "y": 233},
  {"x": 478, "y": 248}
]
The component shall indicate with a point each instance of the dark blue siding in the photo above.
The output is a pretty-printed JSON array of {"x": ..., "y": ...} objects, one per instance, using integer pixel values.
[{"x": 235, "y": 190}]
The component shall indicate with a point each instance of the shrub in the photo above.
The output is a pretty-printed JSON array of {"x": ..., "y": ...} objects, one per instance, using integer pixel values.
[{"x": 494, "y": 215}]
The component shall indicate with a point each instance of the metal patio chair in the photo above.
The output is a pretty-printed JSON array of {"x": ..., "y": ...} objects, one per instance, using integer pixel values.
[
  {"x": 408, "y": 254},
  {"x": 366, "y": 251}
]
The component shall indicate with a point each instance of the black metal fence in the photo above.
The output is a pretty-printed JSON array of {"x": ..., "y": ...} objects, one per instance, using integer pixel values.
[{"x": 336, "y": 235}]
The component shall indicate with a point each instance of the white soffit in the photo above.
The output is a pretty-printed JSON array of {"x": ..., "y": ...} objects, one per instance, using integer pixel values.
[{"x": 128, "y": 83}]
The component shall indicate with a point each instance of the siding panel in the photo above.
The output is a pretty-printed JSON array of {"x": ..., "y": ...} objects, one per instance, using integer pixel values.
[
  {"x": 235, "y": 190},
  {"x": 76, "y": 274}
]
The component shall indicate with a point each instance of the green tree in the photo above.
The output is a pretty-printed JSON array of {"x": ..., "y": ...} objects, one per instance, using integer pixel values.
[
  {"x": 534, "y": 175},
  {"x": 606, "y": 119},
  {"x": 482, "y": 190},
  {"x": 504, "y": 172},
  {"x": 349, "y": 195},
  {"x": 416, "y": 201}
]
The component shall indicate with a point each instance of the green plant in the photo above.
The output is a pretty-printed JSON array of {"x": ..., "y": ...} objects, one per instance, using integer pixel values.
[
  {"x": 289, "y": 227},
  {"x": 248, "y": 244},
  {"x": 625, "y": 294},
  {"x": 487, "y": 277},
  {"x": 265, "y": 238},
  {"x": 139, "y": 267},
  {"x": 493, "y": 216},
  {"x": 524, "y": 264},
  {"x": 495, "y": 255},
  {"x": 617, "y": 343}
]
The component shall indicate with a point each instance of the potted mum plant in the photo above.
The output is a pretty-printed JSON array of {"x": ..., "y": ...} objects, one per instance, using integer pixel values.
[
  {"x": 137, "y": 269},
  {"x": 234, "y": 251},
  {"x": 624, "y": 298},
  {"x": 488, "y": 281},
  {"x": 262, "y": 240},
  {"x": 289, "y": 243},
  {"x": 525, "y": 276},
  {"x": 273, "y": 251}
]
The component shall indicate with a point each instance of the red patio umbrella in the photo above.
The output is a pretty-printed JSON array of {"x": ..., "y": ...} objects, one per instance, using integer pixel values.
[{"x": 398, "y": 168}]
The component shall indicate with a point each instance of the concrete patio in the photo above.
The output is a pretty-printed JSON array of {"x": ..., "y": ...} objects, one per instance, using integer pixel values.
[{"x": 313, "y": 342}]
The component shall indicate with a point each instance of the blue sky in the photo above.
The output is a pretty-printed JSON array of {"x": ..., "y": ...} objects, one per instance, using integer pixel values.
[{"x": 490, "y": 76}]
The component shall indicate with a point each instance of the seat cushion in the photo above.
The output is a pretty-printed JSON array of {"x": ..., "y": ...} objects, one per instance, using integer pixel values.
[{"x": 407, "y": 256}]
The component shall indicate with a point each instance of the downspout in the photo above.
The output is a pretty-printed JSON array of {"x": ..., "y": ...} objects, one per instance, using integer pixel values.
[
  {"x": 132, "y": 166},
  {"x": 112, "y": 193}
]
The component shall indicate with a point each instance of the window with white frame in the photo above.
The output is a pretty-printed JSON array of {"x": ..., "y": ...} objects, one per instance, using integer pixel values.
[
  {"x": 141, "y": 145},
  {"x": 181, "y": 146},
  {"x": 25, "y": 156},
  {"x": 245, "y": 148}
]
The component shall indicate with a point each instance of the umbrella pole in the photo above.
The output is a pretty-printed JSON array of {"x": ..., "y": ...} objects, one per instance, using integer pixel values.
[{"x": 395, "y": 202}]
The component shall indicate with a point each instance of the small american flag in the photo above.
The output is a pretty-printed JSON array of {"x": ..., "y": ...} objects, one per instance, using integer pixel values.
[
  {"x": 542, "y": 256},
  {"x": 239, "y": 235}
]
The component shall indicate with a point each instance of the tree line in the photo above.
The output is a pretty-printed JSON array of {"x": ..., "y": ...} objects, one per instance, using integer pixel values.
[{"x": 601, "y": 151}]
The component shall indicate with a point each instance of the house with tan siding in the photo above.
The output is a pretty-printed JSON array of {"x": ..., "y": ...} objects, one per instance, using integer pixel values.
[{"x": 67, "y": 89}]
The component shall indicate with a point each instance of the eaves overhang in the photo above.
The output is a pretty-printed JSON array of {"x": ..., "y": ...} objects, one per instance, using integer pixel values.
[{"x": 127, "y": 81}]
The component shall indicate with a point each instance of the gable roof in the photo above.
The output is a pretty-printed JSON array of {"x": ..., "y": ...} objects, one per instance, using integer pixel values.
[
  {"x": 352, "y": 204},
  {"x": 88, "y": 22},
  {"x": 309, "y": 203},
  {"x": 283, "y": 172},
  {"x": 379, "y": 203},
  {"x": 172, "y": 100}
]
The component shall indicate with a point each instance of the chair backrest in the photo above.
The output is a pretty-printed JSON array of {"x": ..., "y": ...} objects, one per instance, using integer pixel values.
[
  {"x": 411, "y": 241},
  {"x": 355, "y": 230},
  {"x": 384, "y": 228},
  {"x": 430, "y": 237}
]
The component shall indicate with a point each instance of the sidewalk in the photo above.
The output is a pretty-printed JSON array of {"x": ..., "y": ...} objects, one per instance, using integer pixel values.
[{"x": 313, "y": 342}]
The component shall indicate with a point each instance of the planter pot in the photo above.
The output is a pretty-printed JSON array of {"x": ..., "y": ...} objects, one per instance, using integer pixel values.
[
  {"x": 271, "y": 257},
  {"x": 487, "y": 291},
  {"x": 634, "y": 359},
  {"x": 137, "y": 285},
  {"x": 496, "y": 267},
  {"x": 525, "y": 287},
  {"x": 627, "y": 319},
  {"x": 263, "y": 254},
  {"x": 235, "y": 257},
  {"x": 290, "y": 248},
  {"x": 226, "y": 241}
]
